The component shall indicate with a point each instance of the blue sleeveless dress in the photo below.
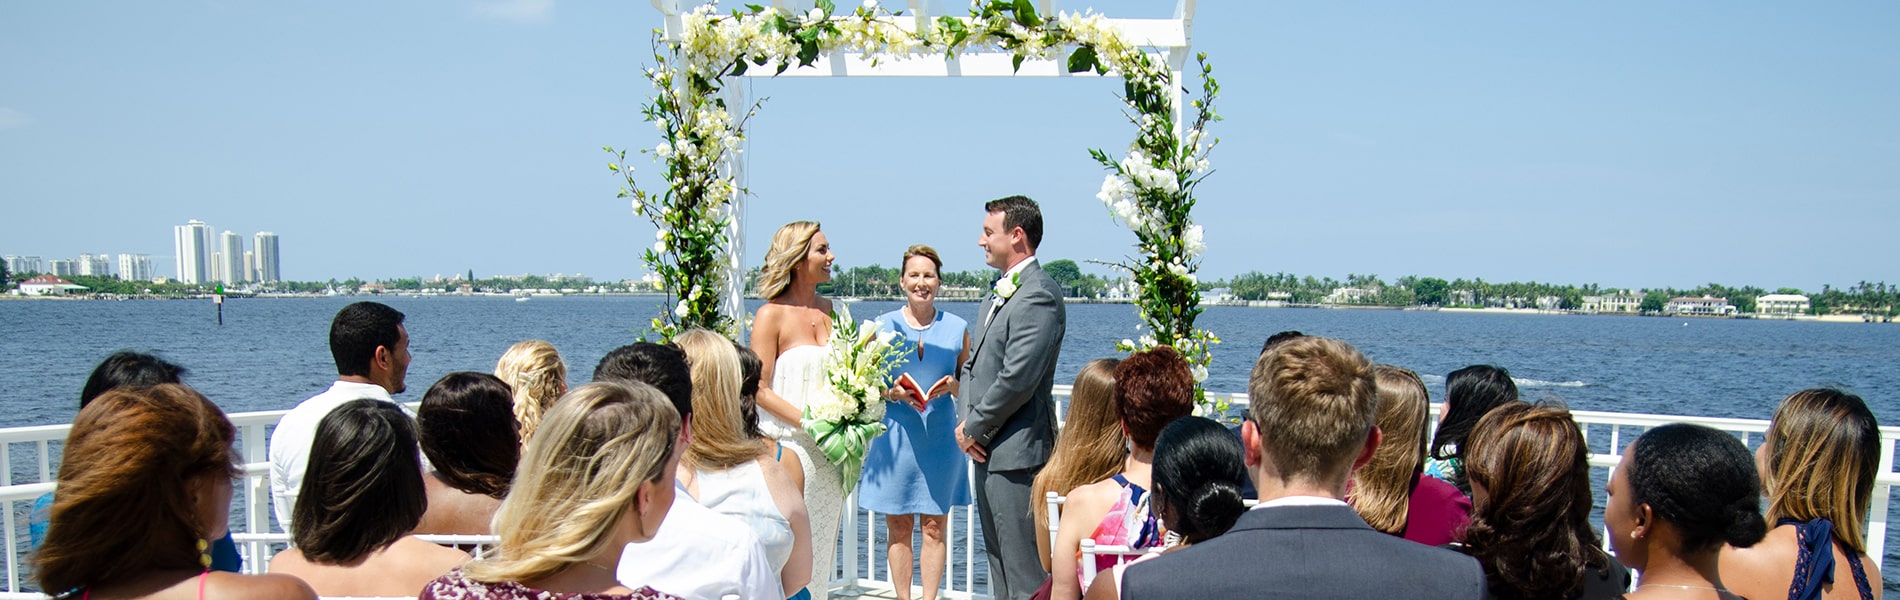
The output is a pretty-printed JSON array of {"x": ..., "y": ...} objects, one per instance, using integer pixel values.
[{"x": 916, "y": 467}]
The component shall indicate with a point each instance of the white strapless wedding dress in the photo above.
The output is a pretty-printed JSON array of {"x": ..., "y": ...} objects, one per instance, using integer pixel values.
[{"x": 798, "y": 373}]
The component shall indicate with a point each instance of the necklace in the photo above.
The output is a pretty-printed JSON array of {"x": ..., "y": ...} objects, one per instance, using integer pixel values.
[
  {"x": 1685, "y": 587},
  {"x": 591, "y": 564}
]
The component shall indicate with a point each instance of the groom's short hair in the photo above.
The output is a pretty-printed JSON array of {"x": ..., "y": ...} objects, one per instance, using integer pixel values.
[{"x": 1019, "y": 211}]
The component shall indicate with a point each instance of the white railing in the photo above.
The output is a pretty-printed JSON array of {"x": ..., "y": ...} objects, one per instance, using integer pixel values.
[{"x": 859, "y": 567}]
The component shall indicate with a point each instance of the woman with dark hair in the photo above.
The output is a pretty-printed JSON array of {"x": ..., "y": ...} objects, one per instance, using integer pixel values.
[
  {"x": 1680, "y": 493},
  {"x": 1818, "y": 464},
  {"x": 1152, "y": 389},
  {"x": 751, "y": 371},
  {"x": 1199, "y": 470},
  {"x": 469, "y": 432},
  {"x": 1529, "y": 468},
  {"x": 144, "y": 482},
  {"x": 362, "y": 495},
  {"x": 1392, "y": 492},
  {"x": 1469, "y": 393},
  {"x": 1091, "y": 447}
]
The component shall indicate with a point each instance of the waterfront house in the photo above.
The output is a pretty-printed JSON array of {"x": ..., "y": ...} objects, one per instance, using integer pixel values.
[
  {"x": 1705, "y": 306},
  {"x": 1616, "y": 302},
  {"x": 48, "y": 285},
  {"x": 1781, "y": 305}
]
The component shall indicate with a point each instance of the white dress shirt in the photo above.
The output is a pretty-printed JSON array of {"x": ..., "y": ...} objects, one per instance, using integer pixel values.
[
  {"x": 699, "y": 554},
  {"x": 290, "y": 441}
]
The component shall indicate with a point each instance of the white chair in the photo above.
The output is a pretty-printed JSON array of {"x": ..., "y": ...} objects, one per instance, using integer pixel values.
[
  {"x": 1090, "y": 550},
  {"x": 1054, "y": 504}
]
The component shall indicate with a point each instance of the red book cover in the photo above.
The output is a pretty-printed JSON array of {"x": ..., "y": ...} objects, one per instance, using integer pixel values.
[{"x": 916, "y": 391}]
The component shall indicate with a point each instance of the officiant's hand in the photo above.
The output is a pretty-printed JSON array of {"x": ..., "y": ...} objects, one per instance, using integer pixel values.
[
  {"x": 970, "y": 447},
  {"x": 947, "y": 385}
]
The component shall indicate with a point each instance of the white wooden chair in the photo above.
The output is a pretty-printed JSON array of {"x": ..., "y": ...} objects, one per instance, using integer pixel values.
[
  {"x": 1091, "y": 550},
  {"x": 1054, "y": 504}
]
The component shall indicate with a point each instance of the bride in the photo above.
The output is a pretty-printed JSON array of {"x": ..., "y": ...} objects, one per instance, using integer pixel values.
[{"x": 793, "y": 326}]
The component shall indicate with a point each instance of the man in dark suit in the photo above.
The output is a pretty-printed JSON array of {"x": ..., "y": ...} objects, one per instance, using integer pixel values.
[
  {"x": 1008, "y": 415},
  {"x": 1314, "y": 402}
]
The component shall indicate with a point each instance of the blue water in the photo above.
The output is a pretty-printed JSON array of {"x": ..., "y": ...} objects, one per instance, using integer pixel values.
[{"x": 271, "y": 353}]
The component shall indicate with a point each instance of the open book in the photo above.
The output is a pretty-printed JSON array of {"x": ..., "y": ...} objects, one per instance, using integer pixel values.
[{"x": 917, "y": 397}]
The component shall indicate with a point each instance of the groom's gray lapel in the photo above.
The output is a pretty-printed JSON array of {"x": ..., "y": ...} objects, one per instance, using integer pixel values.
[{"x": 983, "y": 317}]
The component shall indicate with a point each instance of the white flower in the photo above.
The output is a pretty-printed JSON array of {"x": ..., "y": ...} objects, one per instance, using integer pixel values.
[
  {"x": 680, "y": 311},
  {"x": 870, "y": 4},
  {"x": 815, "y": 15},
  {"x": 1006, "y": 286},
  {"x": 659, "y": 247},
  {"x": 1191, "y": 241},
  {"x": 1200, "y": 373},
  {"x": 663, "y": 150}
]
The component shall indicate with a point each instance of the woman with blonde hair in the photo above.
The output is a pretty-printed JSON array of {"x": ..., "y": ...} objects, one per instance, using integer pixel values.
[
  {"x": 789, "y": 334},
  {"x": 538, "y": 377},
  {"x": 1090, "y": 449},
  {"x": 144, "y": 482},
  {"x": 600, "y": 476},
  {"x": 1392, "y": 492},
  {"x": 723, "y": 469},
  {"x": 1818, "y": 464}
]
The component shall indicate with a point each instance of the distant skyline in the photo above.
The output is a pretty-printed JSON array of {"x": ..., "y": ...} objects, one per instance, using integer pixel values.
[{"x": 1627, "y": 144}]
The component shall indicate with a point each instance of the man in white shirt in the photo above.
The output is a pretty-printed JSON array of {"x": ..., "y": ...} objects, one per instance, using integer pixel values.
[
  {"x": 697, "y": 554},
  {"x": 371, "y": 349},
  {"x": 1314, "y": 404}
]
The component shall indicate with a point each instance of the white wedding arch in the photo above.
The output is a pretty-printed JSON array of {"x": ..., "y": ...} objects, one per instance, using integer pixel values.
[{"x": 703, "y": 56}]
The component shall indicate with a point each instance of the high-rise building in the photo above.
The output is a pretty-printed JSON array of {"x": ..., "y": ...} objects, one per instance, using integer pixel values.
[
  {"x": 265, "y": 246},
  {"x": 231, "y": 257},
  {"x": 193, "y": 243},
  {"x": 64, "y": 267},
  {"x": 24, "y": 264},
  {"x": 95, "y": 265},
  {"x": 135, "y": 267}
]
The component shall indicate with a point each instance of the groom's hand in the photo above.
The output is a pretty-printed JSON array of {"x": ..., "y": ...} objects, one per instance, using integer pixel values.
[{"x": 970, "y": 447}]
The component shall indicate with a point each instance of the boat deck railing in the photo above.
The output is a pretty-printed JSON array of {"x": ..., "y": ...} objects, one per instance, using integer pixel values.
[{"x": 859, "y": 566}]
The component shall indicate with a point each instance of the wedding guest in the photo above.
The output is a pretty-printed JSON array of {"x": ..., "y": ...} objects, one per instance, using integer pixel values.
[
  {"x": 723, "y": 470},
  {"x": 371, "y": 349},
  {"x": 914, "y": 471},
  {"x": 535, "y": 373},
  {"x": 1392, "y": 493},
  {"x": 1313, "y": 413},
  {"x": 468, "y": 431},
  {"x": 754, "y": 369},
  {"x": 596, "y": 479},
  {"x": 1529, "y": 468},
  {"x": 1198, "y": 471},
  {"x": 126, "y": 369},
  {"x": 1469, "y": 393},
  {"x": 697, "y": 554},
  {"x": 362, "y": 495},
  {"x": 1090, "y": 448},
  {"x": 1680, "y": 493},
  {"x": 1818, "y": 464},
  {"x": 144, "y": 481},
  {"x": 789, "y": 332},
  {"x": 1152, "y": 388},
  {"x": 1275, "y": 339}
]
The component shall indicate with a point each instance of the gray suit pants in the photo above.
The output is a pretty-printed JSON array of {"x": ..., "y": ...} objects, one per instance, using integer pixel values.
[{"x": 1009, "y": 534}]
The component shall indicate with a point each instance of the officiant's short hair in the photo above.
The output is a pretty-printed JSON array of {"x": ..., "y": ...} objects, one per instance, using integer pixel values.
[
  {"x": 924, "y": 251},
  {"x": 1019, "y": 211}
]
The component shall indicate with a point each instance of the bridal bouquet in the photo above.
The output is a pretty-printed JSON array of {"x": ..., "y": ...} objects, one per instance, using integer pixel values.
[{"x": 844, "y": 415}]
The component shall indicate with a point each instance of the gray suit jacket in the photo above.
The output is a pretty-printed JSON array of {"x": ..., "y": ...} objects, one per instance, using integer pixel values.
[
  {"x": 1305, "y": 552},
  {"x": 1007, "y": 407}
]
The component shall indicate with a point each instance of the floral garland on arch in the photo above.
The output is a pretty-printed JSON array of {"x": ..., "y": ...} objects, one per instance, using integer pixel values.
[{"x": 1149, "y": 189}]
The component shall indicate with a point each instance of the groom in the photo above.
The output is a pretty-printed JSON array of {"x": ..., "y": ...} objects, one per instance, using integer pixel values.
[{"x": 1009, "y": 424}]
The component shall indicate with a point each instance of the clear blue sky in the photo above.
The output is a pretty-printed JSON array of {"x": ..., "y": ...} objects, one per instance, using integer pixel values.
[{"x": 1629, "y": 144}]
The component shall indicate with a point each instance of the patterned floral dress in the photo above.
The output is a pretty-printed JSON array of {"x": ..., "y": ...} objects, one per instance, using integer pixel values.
[{"x": 456, "y": 586}]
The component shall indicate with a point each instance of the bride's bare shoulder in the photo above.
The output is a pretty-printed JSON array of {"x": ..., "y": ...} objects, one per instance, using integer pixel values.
[{"x": 823, "y": 304}]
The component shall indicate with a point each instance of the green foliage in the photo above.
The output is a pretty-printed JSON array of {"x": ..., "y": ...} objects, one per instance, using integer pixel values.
[
  {"x": 6, "y": 276},
  {"x": 1653, "y": 301}
]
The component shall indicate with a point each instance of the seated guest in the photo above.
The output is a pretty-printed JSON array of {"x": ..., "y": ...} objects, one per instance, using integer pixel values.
[
  {"x": 1680, "y": 493},
  {"x": 1152, "y": 388},
  {"x": 537, "y": 377},
  {"x": 130, "y": 370},
  {"x": 362, "y": 494},
  {"x": 754, "y": 370},
  {"x": 599, "y": 476},
  {"x": 467, "y": 427},
  {"x": 1090, "y": 447},
  {"x": 1313, "y": 407},
  {"x": 371, "y": 349},
  {"x": 144, "y": 481},
  {"x": 1275, "y": 339},
  {"x": 1469, "y": 393},
  {"x": 1198, "y": 470},
  {"x": 1529, "y": 468},
  {"x": 1392, "y": 493},
  {"x": 724, "y": 470},
  {"x": 698, "y": 554},
  {"x": 1818, "y": 464}
]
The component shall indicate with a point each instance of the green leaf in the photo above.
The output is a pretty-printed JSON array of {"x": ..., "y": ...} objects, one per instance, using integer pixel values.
[
  {"x": 1026, "y": 14},
  {"x": 756, "y": 9},
  {"x": 738, "y": 68},
  {"x": 827, "y": 6},
  {"x": 1015, "y": 63},
  {"x": 1082, "y": 59},
  {"x": 807, "y": 53}
]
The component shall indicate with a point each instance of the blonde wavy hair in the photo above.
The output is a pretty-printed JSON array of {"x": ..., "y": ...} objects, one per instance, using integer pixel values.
[
  {"x": 1382, "y": 488},
  {"x": 789, "y": 246},
  {"x": 719, "y": 435},
  {"x": 1091, "y": 447},
  {"x": 1823, "y": 455},
  {"x": 538, "y": 377},
  {"x": 579, "y": 478}
]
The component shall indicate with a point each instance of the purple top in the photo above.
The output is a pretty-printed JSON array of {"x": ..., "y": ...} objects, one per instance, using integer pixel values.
[
  {"x": 456, "y": 586},
  {"x": 1437, "y": 513}
]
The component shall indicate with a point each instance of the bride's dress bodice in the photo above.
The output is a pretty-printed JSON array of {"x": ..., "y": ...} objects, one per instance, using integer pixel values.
[{"x": 798, "y": 372}]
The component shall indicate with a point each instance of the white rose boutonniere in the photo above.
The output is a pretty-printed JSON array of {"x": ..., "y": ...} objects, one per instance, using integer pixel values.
[{"x": 1006, "y": 287}]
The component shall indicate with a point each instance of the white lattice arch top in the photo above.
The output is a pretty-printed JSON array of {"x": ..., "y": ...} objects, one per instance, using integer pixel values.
[{"x": 1168, "y": 40}]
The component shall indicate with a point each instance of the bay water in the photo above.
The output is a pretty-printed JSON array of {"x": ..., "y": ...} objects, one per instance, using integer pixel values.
[{"x": 271, "y": 353}]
